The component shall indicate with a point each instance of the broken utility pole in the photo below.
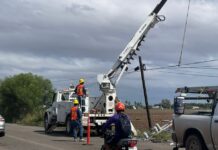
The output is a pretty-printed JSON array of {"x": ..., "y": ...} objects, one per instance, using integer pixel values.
[{"x": 142, "y": 68}]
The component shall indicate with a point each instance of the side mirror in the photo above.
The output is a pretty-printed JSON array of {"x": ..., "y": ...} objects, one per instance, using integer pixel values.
[{"x": 179, "y": 105}]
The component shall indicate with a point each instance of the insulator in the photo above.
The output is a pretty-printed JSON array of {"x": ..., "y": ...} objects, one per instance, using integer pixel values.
[
  {"x": 136, "y": 68},
  {"x": 144, "y": 67}
]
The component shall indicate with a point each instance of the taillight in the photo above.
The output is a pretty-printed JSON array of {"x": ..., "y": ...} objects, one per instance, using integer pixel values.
[{"x": 132, "y": 143}]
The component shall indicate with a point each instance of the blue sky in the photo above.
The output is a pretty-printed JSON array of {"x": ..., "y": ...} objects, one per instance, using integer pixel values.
[{"x": 68, "y": 39}]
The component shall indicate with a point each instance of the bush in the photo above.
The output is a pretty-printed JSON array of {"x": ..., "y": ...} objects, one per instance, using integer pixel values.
[
  {"x": 34, "y": 119},
  {"x": 22, "y": 95}
]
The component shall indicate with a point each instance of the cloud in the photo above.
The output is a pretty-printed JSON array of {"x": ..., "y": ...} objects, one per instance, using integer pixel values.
[
  {"x": 64, "y": 40},
  {"x": 63, "y": 67}
]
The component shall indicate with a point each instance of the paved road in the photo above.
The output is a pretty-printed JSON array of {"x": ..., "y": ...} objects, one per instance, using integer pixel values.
[{"x": 33, "y": 138}]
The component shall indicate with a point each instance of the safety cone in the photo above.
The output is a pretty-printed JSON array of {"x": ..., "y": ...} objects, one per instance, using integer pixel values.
[{"x": 88, "y": 130}]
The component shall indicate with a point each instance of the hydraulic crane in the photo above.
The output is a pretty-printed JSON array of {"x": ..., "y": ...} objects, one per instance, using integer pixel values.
[{"x": 109, "y": 80}]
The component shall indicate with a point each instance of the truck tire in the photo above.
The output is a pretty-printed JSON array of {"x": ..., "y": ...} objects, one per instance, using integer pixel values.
[
  {"x": 194, "y": 142},
  {"x": 2, "y": 134},
  {"x": 47, "y": 125},
  {"x": 68, "y": 125}
]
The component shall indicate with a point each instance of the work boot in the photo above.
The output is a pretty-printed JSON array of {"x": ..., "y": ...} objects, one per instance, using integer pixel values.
[{"x": 81, "y": 140}]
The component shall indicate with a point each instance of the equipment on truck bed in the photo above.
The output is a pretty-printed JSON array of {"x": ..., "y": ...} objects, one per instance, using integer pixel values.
[{"x": 198, "y": 90}]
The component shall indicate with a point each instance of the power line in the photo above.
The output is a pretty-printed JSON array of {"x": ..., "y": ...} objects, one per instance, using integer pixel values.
[
  {"x": 187, "y": 64},
  {"x": 200, "y": 67},
  {"x": 184, "y": 35},
  {"x": 191, "y": 74},
  {"x": 183, "y": 66}
]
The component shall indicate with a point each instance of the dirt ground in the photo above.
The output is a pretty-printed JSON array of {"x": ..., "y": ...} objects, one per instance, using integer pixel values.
[{"x": 140, "y": 121}]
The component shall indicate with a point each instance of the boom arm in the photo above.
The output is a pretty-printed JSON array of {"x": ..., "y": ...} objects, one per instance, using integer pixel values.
[
  {"x": 130, "y": 50},
  {"x": 109, "y": 81}
]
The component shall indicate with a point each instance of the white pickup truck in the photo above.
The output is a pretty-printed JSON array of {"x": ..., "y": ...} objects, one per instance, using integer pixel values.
[
  {"x": 195, "y": 119},
  {"x": 58, "y": 115}
]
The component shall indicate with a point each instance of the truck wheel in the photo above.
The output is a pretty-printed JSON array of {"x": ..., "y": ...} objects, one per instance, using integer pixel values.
[
  {"x": 2, "y": 134},
  {"x": 47, "y": 125},
  {"x": 68, "y": 126},
  {"x": 175, "y": 148},
  {"x": 194, "y": 142}
]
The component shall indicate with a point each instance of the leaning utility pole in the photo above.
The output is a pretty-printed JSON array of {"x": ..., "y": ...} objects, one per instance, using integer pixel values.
[{"x": 145, "y": 92}]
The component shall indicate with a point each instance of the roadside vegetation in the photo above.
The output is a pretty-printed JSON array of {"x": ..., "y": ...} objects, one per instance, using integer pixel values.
[
  {"x": 22, "y": 98},
  {"x": 162, "y": 137}
]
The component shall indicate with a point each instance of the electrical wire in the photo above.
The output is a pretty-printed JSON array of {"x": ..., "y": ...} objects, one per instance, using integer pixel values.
[
  {"x": 191, "y": 74},
  {"x": 199, "y": 67},
  {"x": 176, "y": 66},
  {"x": 184, "y": 35}
]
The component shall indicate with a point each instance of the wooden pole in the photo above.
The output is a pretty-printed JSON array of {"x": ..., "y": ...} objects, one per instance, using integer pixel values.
[{"x": 145, "y": 92}]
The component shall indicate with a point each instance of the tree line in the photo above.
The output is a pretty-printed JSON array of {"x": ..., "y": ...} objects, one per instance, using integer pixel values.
[
  {"x": 165, "y": 103},
  {"x": 24, "y": 95}
]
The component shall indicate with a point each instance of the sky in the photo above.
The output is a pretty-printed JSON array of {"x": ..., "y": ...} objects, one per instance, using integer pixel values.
[{"x": 70, "y": 39}]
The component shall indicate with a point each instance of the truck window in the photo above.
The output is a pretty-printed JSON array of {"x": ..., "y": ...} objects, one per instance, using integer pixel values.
[
  {"x": 54, "y": 97},
  {"x": 65, "y": 96},
  {"x": 197, "y": 106}
]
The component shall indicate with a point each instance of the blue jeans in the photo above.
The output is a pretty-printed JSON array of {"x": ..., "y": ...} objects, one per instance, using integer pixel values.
[
  {"x": 81, "y": 100},
  {"x": 75, "y": 125}
]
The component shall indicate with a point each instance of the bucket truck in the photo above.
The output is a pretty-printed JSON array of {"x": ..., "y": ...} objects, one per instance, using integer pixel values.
[{"x": 100, "y": 109}]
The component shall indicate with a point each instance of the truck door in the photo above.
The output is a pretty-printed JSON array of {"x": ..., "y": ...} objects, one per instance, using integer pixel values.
[
  {"x": 215, "y": 127},
  {"x": 61, "y": 117}
]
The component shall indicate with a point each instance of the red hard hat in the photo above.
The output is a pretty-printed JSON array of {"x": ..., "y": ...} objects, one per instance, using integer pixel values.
[{"x": 119, "y": 106}]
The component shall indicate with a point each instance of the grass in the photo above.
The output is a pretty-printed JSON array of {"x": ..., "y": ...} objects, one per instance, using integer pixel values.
[
  {"x": 33, "y": 119},
  {"x": 162, "y": 137}
]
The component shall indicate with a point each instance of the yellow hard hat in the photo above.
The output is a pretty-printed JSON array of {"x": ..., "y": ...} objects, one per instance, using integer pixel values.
[
  {"x": 81, "y": 80},
  {"x": 75, "y": 101}
]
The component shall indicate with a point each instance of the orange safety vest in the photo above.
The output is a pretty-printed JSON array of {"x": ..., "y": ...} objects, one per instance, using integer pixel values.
[
  {"x": 74, "y": 113},
  {"x": 79, "y": 90}
]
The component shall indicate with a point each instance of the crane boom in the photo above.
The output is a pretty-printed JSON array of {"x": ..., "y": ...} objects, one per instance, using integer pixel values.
[
  {"x": 109, "y": 80},
  {"x": 130, "y": 50}
]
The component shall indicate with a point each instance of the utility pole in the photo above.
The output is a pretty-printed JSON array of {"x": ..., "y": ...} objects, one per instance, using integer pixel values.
[{"x": 145, "y": 91}]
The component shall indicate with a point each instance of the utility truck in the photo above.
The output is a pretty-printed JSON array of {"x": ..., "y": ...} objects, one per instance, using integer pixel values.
[
  {"x": 101, "y": 108},
  {"x": 195, "y": 119}
]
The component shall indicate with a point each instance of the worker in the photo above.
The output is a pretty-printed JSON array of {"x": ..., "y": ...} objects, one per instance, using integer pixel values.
[
  {"x": 76, "y": 118},
  {"x": 122, "y": 126},
  {"x": 81, "y": 91}
]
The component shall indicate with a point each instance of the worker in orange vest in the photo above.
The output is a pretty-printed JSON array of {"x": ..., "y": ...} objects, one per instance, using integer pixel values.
[
  {"x": 76, "y": 121},
  {"x": 81, "y": 91}
]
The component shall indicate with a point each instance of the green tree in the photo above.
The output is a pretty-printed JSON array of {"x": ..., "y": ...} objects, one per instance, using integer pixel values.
[
  {"x": 165, "y": 103},
  {"x": 23, "y": 94}
]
